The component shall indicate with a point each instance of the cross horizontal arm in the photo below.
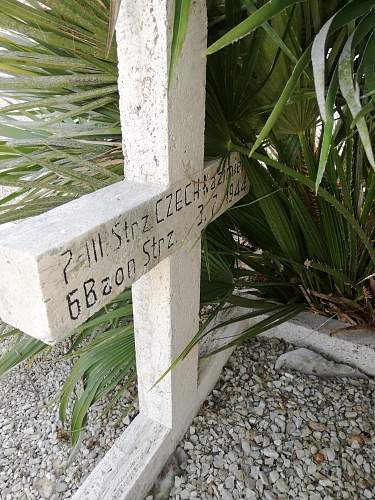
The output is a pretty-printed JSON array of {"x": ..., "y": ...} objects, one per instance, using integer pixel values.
[{"x": 59, "y": 268}]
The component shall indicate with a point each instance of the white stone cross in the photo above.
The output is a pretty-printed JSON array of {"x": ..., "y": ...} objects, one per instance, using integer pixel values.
[{"x": 59, "y": 268}]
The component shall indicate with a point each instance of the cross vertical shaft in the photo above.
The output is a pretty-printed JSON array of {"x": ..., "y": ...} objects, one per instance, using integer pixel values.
[{"x": 163, "y": 141}]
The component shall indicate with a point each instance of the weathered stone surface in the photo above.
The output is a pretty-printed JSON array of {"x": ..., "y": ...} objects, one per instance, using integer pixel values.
[
  {"x": 311, "y": 363},
  {"x": 163, "y": 133},
  {"x": 357, "y": 336},
  {"x": 45, "y": 487},
  {"x": 61, "y": 267},
  {"x": 315, "y": 332}
]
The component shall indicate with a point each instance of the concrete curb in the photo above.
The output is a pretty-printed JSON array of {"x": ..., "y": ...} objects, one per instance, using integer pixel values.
[{"x": 355, "y": 348}]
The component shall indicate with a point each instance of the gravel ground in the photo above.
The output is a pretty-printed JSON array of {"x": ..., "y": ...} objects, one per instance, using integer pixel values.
[
  {"x": 261, "y": 434},
  {"x": 35, "y": 458}
]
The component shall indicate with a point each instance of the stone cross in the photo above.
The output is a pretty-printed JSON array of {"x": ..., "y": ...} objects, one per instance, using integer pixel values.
[{"x": 59, "y": 268}]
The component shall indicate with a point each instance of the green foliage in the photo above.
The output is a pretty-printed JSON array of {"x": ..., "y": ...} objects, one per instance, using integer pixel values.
[
  {"x": 104, "y": 360},
  {"x": 180, "y": 25},
  {"x": 20, "y": 348},
  {"x": 355, "y": 24},
  {"x": 61, "y": 130},
  {"x": 306, "y": 230},
  {"x": 290, "y": 85},
  {"x": 345, "y": 36},
  {"x": 256, "y": 19},
  {"x": 61, "y": 139}
]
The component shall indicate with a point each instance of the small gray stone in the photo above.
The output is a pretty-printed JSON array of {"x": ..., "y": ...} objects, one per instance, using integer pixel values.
[
  {"x": 263, "y": 478},
  {"x": 300, "y": 454},
  {"x": 61, "y": 486},
  {"x": 181, "y": 456},
  {"x": 325, "y": 483},
  {"x": 254, "y": 472},
  {"x": 218, "y": 462},
  {"x": 281, "y": 485},
  {"x": 250, "y": 494},
  {"x": 330, "y": 454},
  {"x": 259, "y": 486},
  {"x": 259, "y": 411},
  {"x": 226, "y": 495},
  {"x": 269, "y": 452},
  {"x": 239, "y": 475},
  {"x": 312, "y": 363},
  {"x": 311, "y": 469},
  {"x": 268, "y": 495},
  {"x": 245, "y": 446},
  {"x": 250, "y": 483},
  {"x": 45, "y": 487},
  {"x": 229, "y": 483},
  {"x": 17, "y": 487},
  {"x": 8, "y": 452},
  {"x": 351, "y": 414},
  {"x": 315, "y": 496},
  {"x": 274, "y": 476}
]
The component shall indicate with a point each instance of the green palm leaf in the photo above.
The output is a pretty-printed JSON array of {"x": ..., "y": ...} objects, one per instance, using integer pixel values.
[{"x": 255, "y": 20}]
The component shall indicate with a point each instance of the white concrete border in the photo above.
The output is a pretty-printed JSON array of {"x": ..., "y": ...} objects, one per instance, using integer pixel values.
[{"x": 354, "y": 348}]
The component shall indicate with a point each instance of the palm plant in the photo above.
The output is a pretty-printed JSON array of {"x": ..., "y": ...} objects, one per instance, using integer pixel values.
[
  {"x": 294, "y": 95},
  {"x": 60, "y": 129},
  {"x": 62, "y": 139}
]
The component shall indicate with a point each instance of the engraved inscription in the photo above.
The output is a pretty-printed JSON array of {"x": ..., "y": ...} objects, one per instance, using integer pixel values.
[{"x": 136, "y": 241}]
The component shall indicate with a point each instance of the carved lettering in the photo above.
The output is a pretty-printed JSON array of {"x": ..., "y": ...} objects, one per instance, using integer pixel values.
[
  {"x": 205, "y": 186},
  {"x": 131, "y": 268},
  {"x": 179, "y": 200},
  {"x": 170, "y": 238},
  {"x": 169, "y": 211},
  {"x": 73, "y": 305},
  {"x": 187, "y": 203},
  {"x": 221, "y": 176},
  {"x": 134, "y": 224},
  {"x": 90, "y": 294},
  {"x": 196, "y": 189},
  {"x": 146, "y": 228},
  {"x": 117, "y": 235},
  {"x": 119, "y": 276},
  {"x": 65, "y": 270},
  {"x": 146, "y": 252},
  {"x": 107, "y": 289},
  {"x": 158, "y": 218},
  {"x": 200, "y": 207},
  {"x": 177, "y": 212}
]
